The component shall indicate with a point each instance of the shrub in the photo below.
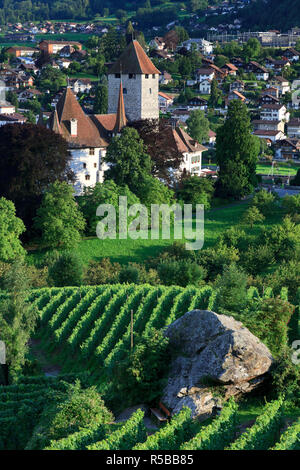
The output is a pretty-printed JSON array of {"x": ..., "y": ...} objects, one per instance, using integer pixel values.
[
  {"x": 181, "y": 273},
  {"x": 66, "y": 271},
  {"x": 103, "y": 272},
  {"x": 264, "y": 201},
  {"x": 231, "y": 289}
]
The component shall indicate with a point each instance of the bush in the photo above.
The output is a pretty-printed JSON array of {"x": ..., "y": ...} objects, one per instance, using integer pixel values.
[
  {"x": 66, "y": 271},
  {"x": 291, "y": 204},
  {"x": 103, "y": 272},
  {"x": 181, "y": 273},
  {"x": 264, "y": 201},
  {"x": 257, "y": 258},
  {"x": 231, "y": 289},
  {"x": 214, "y": 260}
]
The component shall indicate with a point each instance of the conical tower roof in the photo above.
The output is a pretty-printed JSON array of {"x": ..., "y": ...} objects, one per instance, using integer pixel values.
[
  {"x": 134, "y": 60},
  {"x": 121, "y": 120}
]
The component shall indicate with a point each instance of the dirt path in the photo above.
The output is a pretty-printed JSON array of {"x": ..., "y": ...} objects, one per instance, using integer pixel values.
[{"x": 50, "y": 370}]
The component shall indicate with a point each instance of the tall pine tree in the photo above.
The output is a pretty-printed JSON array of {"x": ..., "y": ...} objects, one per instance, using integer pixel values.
[{"x": 237, "y": 153}]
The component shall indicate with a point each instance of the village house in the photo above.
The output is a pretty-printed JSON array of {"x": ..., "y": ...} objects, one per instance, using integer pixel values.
[
  {"x": 237, "y": 85},
  {"x": 12, "y": 118},
  {"x": 288, "y": 149},
  {"x": 157, "y": 43},
  {"x": 21, "y": 51},
  {"x": 165, "y": 78},
  {"x": 234, "y": 95},
  {"x": 267, "y": 125},
  {"x": 53, "y": 47},
  {"x": 80, "y": 85},
  {"x": 279, "y": 65},
  {"x": 291, "y": 54},
  {"x": 230, "y": 69},
  {"x": 7, "y": 108},
  {"x": 260, "y": 72},
  {"x": 274, "y": 112},
  {"x": 293, "y": 128},
  {"x": 205, "y": 73},
  {"x": 271, "y": 91},
  {"x": 273, "y": 136},
  {"x": 191, "y": 151},
  {"x": 281, "y": 83},
  {"x": 197, "y": 103},
  {"x": 201, "y": 45},
  {"x": 205, "y": 87},
  {"x": 267, "y": 98},
  {"x": 165, "y": 101},
  {"x": 30, "y": 94}
]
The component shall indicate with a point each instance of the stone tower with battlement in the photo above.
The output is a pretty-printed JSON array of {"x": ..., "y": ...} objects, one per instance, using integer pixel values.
[{"x": 139, "y": 78}]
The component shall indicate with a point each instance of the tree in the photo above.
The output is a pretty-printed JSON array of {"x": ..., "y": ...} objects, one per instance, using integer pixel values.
[
  {"x": 195, "y": 190},
  {"x": 31, "y": 158},
  {"x": 67, "y": 270},
  {"x": 231, "y": 289},
  {"x": 128, "y": 160},
  {"x": 264, "y": 201},
  {"x": 17, "y": 317},
  {"x": 51, "y": 79},
  {"x": 215, "y": 93},
  {"x": 252, "y": 49},
  {"x": 11, "y": 227},
  {"x": 101, "y": 99},
  {"x": 252, "y": 216},
  {"x": 160, "y": 145},
  {"x": 236, "y": 153},
  {"x": 59, "y": 218},
  {"x": 198, "y": 126}
]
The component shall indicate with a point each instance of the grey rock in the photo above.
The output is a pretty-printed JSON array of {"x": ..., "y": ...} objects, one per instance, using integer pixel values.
[{"x": 216, "y": 348}]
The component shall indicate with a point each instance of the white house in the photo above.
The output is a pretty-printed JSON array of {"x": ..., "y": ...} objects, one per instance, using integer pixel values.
[
  {"x": 205, "y": 87},
  {"x": 273, "y": 136},
  {"x": 293, "y": 128},
  {"x": 7, "y": 108},
  {"x": 165, "y": 101},
  {"x": 191, "y": 151},
  {"x": 202, "y": 45},
  {"x": 274, "y": 112},
  {"x": 80, "y": 85},
  {"x": 205, "y": 74}
]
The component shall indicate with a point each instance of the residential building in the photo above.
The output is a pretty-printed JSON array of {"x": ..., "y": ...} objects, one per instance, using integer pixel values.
[
  {"x": 202, "y": 45},
  {"x": 273, "y": 136},
  {"x": 237, "y": 85},
  {"x": 293, "y": 128},
  {"x": 165, "y": 101},
  {"x": 53, "y": 47},
  {"x": 281, "y": 83},
  {"x": 274, "y": 112},
  {"x": 165, "y": 78},
  {"x": 21, "y": 51},
  {"x": 13, "y": 118},
  {"x": 80, "y": 85},
  {"x": 205, "y": 87}
]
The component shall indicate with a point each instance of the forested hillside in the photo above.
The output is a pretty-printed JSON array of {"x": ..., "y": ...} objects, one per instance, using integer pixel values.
[{"x": 264, "y": 14}]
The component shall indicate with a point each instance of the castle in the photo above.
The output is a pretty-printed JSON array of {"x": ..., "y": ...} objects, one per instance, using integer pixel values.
[{"x": 132, "y": 95}]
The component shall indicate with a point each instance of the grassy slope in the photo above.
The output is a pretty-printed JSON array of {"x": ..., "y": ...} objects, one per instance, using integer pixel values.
[{"x": 216, "y": 221}]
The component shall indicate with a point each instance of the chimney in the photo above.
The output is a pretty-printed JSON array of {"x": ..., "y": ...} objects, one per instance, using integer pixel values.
[{"x": 73, "y": 127}]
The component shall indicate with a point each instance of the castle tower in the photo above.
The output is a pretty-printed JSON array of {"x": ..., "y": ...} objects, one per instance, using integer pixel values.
[{"x": 139, "y": 78}]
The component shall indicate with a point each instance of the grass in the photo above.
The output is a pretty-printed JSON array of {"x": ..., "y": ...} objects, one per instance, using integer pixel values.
[
  {"x": 281, "y": 169},
  {"x": 217, "y": 220}
]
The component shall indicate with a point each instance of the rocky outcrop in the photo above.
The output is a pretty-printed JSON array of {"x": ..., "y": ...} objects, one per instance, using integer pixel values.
[{"x": 213, "y": 353}]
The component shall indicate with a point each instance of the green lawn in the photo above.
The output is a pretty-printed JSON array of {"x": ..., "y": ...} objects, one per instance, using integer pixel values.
[
  {"x": 280, "y": 169},
  {"x": 123, "y": 251}
]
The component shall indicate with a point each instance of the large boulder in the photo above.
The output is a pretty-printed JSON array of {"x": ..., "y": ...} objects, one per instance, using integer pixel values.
[{"x": 212, "y": 349}]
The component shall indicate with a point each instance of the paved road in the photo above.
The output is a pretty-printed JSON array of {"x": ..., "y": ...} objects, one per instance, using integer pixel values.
[{"x": 286, "y": 192}]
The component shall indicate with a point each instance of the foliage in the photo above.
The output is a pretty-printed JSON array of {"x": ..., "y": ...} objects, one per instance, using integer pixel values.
[
  {"x": 181, "y": 272},
  {"x": 263, "y": 434},
  {"x": 195, "y": 190},
  {"x": 218, "y": 434},
  {"x": 102, "y": 272},
  {"x": 59, "y": 218},
  {"x": 231, "y": 289},
  {"x": 17, "y": 318},
  {"x": 141, "y": 371},
  {"x": 11, "y": 227},
  {"x": 236, "y": 152},
  {"x": 75, "y": 409},
  {"x": 66, "y": 271},
  {"x": 172, "y": 435},
  {"x": 264, "y": 202},
  {"x": 124, "y": 439},
  {"x": 128, "y": 160},
  {"x": 253, "y": 215},
  {"x": 31, "y": 158},
  {"x": 289, "y": 440}
]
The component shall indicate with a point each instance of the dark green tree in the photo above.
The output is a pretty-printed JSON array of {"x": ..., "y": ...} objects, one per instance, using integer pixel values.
[
  {"x": 237, "y": 153},
  {"x": 198, "y": 126}
]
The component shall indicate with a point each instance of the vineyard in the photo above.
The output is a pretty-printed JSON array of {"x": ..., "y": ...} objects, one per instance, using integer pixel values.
[
  {"x": 91, "y": 326},
  {"x": 22, "y": 404}
]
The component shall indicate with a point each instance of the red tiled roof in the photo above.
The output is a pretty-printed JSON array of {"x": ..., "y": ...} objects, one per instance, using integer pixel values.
[
  {"x": 68, "y": 108},
  {"x": 134, "y": 60}
]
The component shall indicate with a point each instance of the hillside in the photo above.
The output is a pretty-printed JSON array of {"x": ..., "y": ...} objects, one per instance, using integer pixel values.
[{"x": 275, "y": 14}]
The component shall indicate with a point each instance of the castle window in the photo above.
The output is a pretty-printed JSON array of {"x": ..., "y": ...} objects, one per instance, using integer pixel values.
[
  {"x": 147, "y": 75},
  {"x": 92, "y": 151},
  {"x": 132, "y": 75},
  {"x": 153, "y": 75},
  {"x": 84, "y": 165},
  {"x": 117, "y": 75},
  {"x": 95, "y": 165},
  {"x": 87, "y": 177},
  {"x": 150, "y": 91},
  {"x": 125, "y": 91}
]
